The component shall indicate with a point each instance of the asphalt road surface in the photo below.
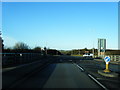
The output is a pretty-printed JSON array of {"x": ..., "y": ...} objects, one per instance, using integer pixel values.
[
  {"x": 64, "y": 72},
  {"x": 61, "y": 75},
  {"x": 69, "y": 76}
]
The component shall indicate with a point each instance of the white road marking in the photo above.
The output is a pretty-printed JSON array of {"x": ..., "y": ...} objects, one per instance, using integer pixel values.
[
  {"x": 92, "y": 77},
  {"x": 97, "y": 82},
  {"x": 79, "y": 67}
]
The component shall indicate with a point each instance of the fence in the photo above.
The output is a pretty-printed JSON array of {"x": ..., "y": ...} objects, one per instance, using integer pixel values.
[{"x": 11, "y": 59}]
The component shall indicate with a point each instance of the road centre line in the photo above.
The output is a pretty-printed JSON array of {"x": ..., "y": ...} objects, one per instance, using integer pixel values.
[
  {"x": 79, "y": 67},
  {"x": 92, "y": 77}
]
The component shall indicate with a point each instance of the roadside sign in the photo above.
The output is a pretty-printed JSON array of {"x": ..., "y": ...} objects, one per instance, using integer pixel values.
[{"x": 107, "y": 59}]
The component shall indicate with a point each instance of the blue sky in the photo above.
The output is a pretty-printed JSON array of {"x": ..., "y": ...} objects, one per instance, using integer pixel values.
[{"x": 60, "y": 25}]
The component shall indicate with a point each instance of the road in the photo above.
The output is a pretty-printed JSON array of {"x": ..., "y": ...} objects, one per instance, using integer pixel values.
[
  {"x": 69, "y": 76},
  {"x": 62, "y": 75},
  {"x": 55, "y": 75}
]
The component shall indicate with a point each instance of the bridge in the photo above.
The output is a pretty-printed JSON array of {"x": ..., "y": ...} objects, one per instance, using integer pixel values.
[{"x": 57, "y": 72}]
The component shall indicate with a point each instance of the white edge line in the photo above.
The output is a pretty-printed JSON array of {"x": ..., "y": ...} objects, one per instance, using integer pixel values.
[{"x": 97, "y": 82}]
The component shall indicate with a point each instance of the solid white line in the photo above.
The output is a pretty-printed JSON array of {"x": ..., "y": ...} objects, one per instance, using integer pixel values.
[{"x": 97, "y": 82}]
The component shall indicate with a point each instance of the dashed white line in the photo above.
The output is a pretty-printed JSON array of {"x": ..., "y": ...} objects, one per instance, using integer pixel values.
[
  {"x": 97, "y": 82},
  {"x": 79, "y": 67},
  {"x": 92, "y": 77}
]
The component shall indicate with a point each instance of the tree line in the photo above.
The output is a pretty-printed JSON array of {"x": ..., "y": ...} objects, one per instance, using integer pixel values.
[
  {"x": 24, "y": 48},
  {"x": 79, "y": 51},
  {"x": 85, "y": 50},
  {"x": 21, "y": 47}
]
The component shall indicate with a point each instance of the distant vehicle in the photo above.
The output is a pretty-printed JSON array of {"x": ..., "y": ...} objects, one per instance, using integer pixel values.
[{"x": 88, "y": 55}]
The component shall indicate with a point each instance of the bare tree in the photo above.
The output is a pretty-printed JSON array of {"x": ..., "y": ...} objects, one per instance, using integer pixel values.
[{"x": 21, "y": 45}]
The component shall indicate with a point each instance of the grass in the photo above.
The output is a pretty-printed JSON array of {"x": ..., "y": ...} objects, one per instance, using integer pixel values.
[{"x": 77, "y": 55}]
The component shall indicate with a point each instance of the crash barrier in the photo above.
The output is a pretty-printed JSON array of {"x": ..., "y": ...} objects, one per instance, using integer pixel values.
[
  {"x": 9, "y": 59},
  {"x": 114, "y": 57}
]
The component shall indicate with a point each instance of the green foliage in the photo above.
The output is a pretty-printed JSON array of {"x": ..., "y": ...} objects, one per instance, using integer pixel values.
[{"x": 37, "y": 48}]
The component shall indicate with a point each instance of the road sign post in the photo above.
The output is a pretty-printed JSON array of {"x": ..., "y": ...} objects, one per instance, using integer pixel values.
[{"x": 107, "y": 60}]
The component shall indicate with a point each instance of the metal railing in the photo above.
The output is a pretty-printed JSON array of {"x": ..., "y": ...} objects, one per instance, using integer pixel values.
[
  {"x": 11, "y": 59},
  {"x": 114, "y": 57}
]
